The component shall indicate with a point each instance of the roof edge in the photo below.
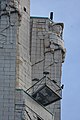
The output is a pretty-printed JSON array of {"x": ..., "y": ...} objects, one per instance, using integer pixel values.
[{"x": 39, "y": 17}]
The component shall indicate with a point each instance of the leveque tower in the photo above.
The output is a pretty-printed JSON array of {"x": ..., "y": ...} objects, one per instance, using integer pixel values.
[{"x": 31, "y": 56}]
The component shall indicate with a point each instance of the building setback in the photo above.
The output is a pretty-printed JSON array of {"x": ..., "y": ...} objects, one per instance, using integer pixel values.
[{"x": 31, "y": 55}]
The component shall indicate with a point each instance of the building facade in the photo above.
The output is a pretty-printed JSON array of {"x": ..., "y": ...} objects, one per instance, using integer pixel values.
[
  {"x": 47, "y": 55},
  {"x": 31, "y": 56}
]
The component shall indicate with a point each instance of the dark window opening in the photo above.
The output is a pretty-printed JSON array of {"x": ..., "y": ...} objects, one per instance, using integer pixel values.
[
  {"x": 24, "y": 9},
  {"x": 39, "y": 118}
]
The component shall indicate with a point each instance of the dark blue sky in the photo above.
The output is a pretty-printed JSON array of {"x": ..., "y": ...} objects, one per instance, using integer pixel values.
[{"x": 66, "y": 11}]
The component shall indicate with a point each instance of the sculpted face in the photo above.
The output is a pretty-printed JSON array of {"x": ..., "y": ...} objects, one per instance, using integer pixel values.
[{"x": 57, "y": 29}]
